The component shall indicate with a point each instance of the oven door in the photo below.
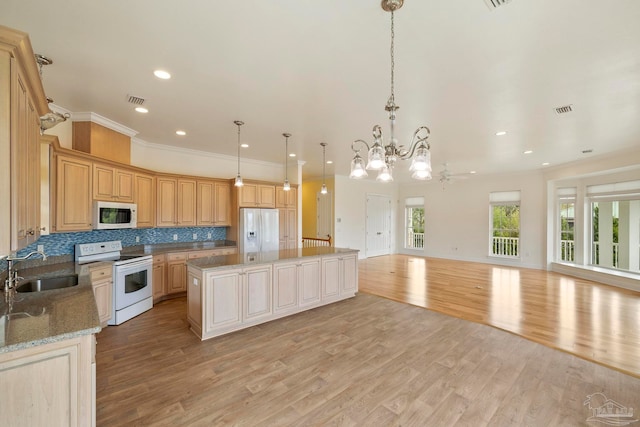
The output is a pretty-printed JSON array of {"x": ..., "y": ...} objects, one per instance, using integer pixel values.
[{"x": 132, "y": 283}]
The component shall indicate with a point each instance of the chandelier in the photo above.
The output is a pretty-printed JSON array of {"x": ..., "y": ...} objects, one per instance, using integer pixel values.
[{"x": 382, "y": 158}]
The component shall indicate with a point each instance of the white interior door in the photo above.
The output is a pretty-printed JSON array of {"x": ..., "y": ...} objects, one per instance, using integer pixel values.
[
  {"x": 378, "y": 225},
  {"x": 325, "y": 215}
]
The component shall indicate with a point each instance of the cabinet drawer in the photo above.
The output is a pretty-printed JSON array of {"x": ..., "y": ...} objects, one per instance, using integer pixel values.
[
  {"x": 158, "y": 259},
  {"x": 181, "y": 256},
  {"x": 101, "y": 273},
  {"x": 201, "y": 254}
]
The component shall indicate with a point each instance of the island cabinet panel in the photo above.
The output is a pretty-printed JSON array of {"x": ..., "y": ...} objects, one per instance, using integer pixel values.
[
  {"x": 309, "y": 282},
  {"x": 331, "y": 277},
  {"x": 231, "y": 294},
  {"x": 223, "y": 305},
  {"x": 285, "y": 286},
  {"x": 256, "y": 283}
]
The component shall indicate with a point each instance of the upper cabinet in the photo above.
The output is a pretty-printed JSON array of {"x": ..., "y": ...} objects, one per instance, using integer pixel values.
[
  {"x": 286, "y": 199},
  {"x": 22, "y": 102},
  {"x": 176, "y": 202},
  {"x": 112, "y": 184},
  {"x": 213, "y": 203},
  {"x": 252, "y": 195},
  {"x": 73, "y": 203},
  {"x": 145, "y": 198}
]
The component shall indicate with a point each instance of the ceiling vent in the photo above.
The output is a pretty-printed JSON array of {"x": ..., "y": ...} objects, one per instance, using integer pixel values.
[
  {"x": 564, "y": 109},
  {"x": 494, "y": 4},
  {"x": 135, "y": 100}
]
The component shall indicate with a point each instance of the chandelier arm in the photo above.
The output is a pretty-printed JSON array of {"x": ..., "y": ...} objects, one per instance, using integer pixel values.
[
  {"x": 377, "y": 133},
  {"x": 357, "y": 150},
  {"x": 416, "y": 141}
]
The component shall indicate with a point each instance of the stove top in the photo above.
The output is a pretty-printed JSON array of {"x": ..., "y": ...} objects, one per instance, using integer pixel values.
[{"x": 105, "y": 251}]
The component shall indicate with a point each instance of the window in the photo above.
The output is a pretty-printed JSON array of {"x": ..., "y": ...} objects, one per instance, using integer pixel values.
[
  {"x": 567, "y": 208},
  {"x": 505, "y": 224},
  {"x": 615, "y": 225},
  {"x": 414, "y": 219}
]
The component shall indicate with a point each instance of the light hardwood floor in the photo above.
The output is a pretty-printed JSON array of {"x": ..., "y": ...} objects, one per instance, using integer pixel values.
[{"x": 364, "y": 361}]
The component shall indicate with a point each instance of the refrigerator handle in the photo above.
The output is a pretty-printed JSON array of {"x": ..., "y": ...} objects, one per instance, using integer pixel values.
[{"x": 260, "y": 229}]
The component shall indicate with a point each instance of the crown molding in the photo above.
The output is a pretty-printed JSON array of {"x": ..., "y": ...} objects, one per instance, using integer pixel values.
[{"x": 103, "y": 121}]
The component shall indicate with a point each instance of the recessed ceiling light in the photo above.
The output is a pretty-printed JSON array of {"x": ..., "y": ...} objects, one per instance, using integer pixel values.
[
  {"x": 545, "y": 164},
  {"x": 181, "y": 132},
  {"x": 141, "y": 110},
  {"x": 528, "y": 152},
  {"x": 244, "y": 145},
  {"x": 329, "y": 162},
  {"x": 500, "y": 133},
  {"x": 292, "y": 155},
  {"x": 161, "y": 74},
  {"x": 472, "y": 172}
]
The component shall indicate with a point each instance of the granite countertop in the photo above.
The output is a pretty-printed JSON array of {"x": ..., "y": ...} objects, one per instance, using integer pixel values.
[
  {"x": 256, "y": 258},
  {"x": 163, "y": 248},
  {"x": 36, "y": 318}
]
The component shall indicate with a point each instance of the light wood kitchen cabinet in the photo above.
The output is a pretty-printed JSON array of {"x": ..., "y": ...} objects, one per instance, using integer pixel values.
[
  {"x": 158, "y": 276},
  {"x": 50, "y": 384},
  {"x": 112, "y": 184},
  {"x": 252, "y": 195},
  {"x": 145, "y": 199},
  {"x": 176, "y": 202},
  {"x": 288, "y": 228},
  {"x": 309, "y": 282},
  {"x": 102, "y": 283},
  {"x": 73, "y": 204},
  {"x": 213, "y": 203},
  {"x": 286, "y": 199},
  {"x": 22, "y": 102},
  {"x": 176, "y": 272}
]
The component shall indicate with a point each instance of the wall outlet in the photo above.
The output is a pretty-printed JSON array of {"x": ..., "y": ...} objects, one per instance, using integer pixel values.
[
  {"x": 175, "y": 237},
  {"x": 208, "y": 235},
  {"x": 137, "y": 239},
  {"x": 195, "y": 236},
  {"x": 41, "y": 248}
]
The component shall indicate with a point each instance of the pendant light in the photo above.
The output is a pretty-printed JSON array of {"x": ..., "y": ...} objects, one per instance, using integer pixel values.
[
  {"x": 382, "y": 157},
  {"x": 238, "y": 182},
  {"x": 323, "y": 190},
  {"x": 286, "y": 186}
]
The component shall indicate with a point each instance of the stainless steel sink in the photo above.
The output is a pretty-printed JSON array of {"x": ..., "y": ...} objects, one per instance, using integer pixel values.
[{"x": 48, "y": 284}]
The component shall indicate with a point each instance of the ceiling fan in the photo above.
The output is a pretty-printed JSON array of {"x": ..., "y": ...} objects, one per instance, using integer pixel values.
[{"x": 447, "y": 177}]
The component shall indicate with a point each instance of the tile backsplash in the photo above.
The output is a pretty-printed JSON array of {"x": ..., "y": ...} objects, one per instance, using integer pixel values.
[{"x": 58, "y": 244}]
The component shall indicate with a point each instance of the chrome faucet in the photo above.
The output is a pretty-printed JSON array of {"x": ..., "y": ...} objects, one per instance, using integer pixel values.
[{"x": 12, "y": 273}]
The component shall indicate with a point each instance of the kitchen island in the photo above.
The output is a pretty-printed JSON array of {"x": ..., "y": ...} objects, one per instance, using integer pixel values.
[{"x": 233, "y": 292}]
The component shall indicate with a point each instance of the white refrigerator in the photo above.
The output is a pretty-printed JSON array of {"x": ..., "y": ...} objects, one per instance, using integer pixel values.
[{"x": 259, "y": 230}]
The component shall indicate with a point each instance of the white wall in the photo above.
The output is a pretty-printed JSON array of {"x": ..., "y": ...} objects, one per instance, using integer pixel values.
[
  {"x": 457, "y": 221},
  {"x": 350, "y": 211}
]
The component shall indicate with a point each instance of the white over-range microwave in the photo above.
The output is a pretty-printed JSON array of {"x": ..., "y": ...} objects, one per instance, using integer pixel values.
[{"x": 113, "y": 215}]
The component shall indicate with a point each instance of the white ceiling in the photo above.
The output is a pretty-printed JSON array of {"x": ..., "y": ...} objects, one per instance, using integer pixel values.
[{"x": 320, "y": 69}]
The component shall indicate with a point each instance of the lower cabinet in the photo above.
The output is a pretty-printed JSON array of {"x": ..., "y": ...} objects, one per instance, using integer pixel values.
[
  {"x": 222, "y": 300},
  {"x": 102, "y": 283},
  {"x": 296, "y": 284},
  {"x": 176, "y": 272},
  {"x": 158, "y": 276},
  {"x": 49, "y": 385},
  {"x": 339, "y": 276}
]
